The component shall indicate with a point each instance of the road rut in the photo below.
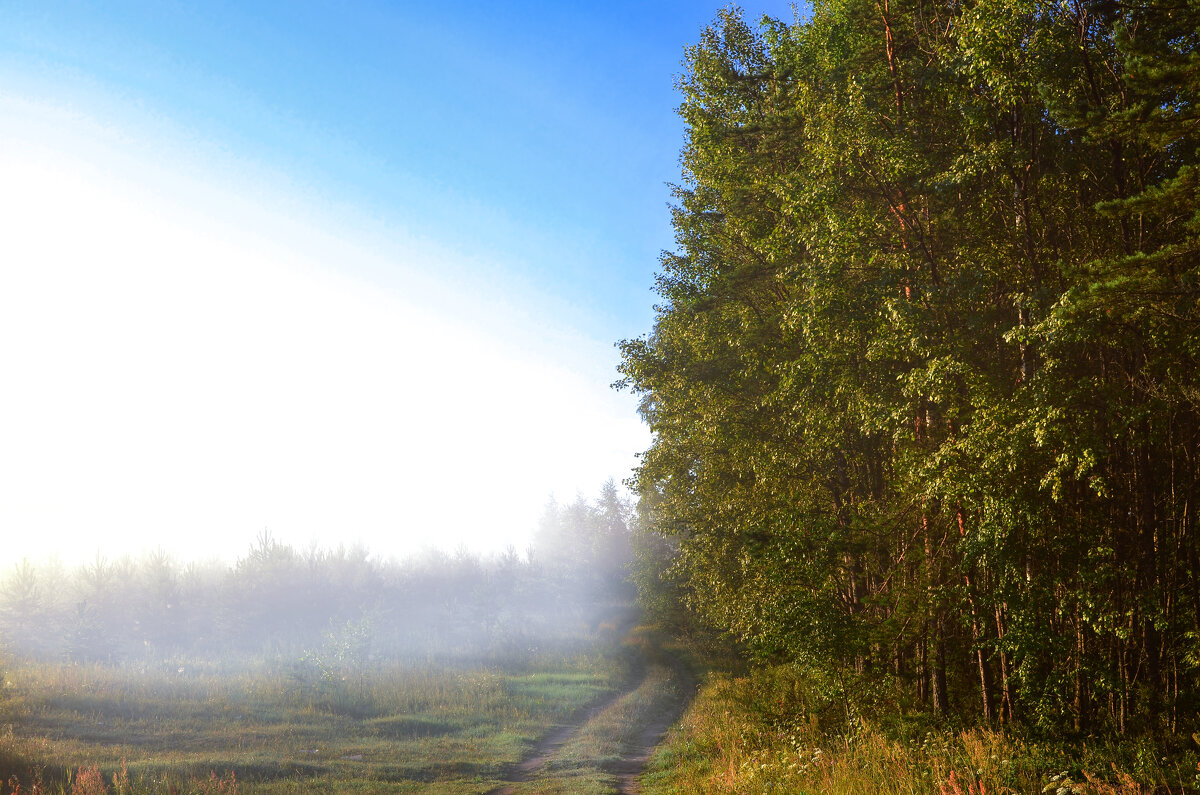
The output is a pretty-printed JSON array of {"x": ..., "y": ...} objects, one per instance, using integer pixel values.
[{"x": 639, "y": 739}]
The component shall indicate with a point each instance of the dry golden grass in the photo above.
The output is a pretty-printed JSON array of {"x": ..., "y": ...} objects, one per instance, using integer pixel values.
[{"x": 725, "y": 745}]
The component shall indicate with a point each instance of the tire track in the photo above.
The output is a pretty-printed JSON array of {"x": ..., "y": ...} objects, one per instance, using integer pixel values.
[
  {"x": 633, "y": 762},
  {"x": 636, "y": 753},
  {"x": 546, "y": 747}
]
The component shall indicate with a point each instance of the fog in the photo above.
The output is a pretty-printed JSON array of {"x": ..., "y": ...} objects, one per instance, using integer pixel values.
[
  {"x": 195, "y": 358},
  {"x": 318, "y": 613}
]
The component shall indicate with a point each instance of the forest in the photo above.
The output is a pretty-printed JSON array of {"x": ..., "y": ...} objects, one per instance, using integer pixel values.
[{"x": 923, "y": 377}]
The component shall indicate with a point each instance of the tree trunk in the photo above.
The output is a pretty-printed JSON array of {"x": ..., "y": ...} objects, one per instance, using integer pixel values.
[
  {"x": 1007, "y": 709},
  {"x": 1081, "y": 705},
  {"x": 941, "y": 701}
]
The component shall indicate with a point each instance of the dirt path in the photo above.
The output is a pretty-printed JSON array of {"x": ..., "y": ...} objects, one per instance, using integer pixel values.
[
  {"x": 633, "y": 762},
  {"x": 647, "y": 735},
  {"x": 558, "y": 737}
]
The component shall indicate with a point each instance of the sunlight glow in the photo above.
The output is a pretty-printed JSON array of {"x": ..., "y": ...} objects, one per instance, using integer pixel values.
[{"x": 175, "y": 378}]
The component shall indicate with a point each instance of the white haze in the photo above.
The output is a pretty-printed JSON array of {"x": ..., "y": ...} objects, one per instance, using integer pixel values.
[{"x": 183, "y": 367}]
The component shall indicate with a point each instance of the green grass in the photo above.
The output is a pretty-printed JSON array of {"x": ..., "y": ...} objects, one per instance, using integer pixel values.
[{"x": 387, "y": 729}]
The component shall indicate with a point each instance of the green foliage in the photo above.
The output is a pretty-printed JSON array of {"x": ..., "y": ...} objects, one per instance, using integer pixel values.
[
  {"x": 769, "y": 732},
  {"x": 923, "y": 379}
]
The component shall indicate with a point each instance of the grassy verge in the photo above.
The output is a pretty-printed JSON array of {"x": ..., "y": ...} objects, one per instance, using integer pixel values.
[
  {"x": 733, "y": 740},
  {"x": 387, "y": 729}
]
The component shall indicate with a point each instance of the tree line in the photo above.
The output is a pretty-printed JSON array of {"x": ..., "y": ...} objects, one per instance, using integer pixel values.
[
  {"x": 923, "y": 377},
  {"x": 278, "y": 604}
]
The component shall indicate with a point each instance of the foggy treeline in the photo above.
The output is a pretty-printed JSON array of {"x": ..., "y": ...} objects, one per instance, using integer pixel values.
[{"x": 337, "y": 606}]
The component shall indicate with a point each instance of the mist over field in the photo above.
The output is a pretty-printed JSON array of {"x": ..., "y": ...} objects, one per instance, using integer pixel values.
[
  {"x": 294, "y": 670},
  {"x": 314, "y": 612}
]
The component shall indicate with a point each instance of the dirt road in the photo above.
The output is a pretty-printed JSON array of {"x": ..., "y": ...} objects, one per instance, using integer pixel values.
[
  {"x": 629, "y": 725},
  {"x": 633, "y": 762}
]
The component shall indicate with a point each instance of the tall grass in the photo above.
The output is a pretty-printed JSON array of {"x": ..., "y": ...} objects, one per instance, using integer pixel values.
[
  {"x": 91, "y": 781},
  {"x": 728, "y": 742}
]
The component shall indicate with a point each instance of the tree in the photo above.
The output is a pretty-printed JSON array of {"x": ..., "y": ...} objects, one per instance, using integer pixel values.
[{"x": 922, "y": 383}]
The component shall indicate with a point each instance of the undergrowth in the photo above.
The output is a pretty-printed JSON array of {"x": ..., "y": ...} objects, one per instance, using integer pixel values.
[{"x": 736, "y": 738}]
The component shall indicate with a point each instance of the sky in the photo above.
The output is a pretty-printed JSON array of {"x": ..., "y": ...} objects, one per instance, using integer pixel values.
[{"x": 348, "y": 272}]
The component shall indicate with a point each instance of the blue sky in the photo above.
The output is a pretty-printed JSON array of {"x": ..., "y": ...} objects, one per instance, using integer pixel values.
[{"x": 501, "y": 166}]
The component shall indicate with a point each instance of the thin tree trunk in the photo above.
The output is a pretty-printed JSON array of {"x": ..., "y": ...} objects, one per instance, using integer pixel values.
[
  {"x": 1007, "y": 711},
  {"x": 1081, "y": 706},
  {"x": 985, "y": 673},
  {"x": 941, "y": 701}
]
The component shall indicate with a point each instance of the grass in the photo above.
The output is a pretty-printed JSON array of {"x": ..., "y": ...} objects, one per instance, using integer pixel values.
[
  {"x": 386, "y": 729},
  {"x": 728, "y": 743},
  {"x": 587, "y": 763},
  {"x": 69, "y": 729}
]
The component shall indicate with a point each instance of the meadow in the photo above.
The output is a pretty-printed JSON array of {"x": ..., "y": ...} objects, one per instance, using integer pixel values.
[
  {"x": 387, "y": 728},
  {"x": 316, "y": 671}
]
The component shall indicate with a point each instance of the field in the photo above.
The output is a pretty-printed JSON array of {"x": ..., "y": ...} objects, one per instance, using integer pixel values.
[
  {"x": 386, "y": 729},
  {"x": 582, "y": 723},
  {"x": 324, "y": 670}
]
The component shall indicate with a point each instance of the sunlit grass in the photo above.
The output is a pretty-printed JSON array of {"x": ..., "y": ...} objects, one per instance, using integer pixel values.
[
  {"x": 726, "y": 744},
  {"x": 386, "y": 728}
]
